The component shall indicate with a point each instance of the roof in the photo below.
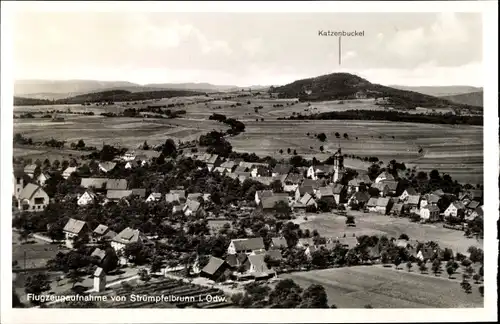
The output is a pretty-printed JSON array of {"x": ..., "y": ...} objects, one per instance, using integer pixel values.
[
  {"x": 386, "y": 176},
  {"x": 326, "y": 191},
  {"x": 116, "y": 184},
  {"x": 240, "y": 169},
  {"x": 380, "y": 186},
  {"x": 382, "y": 202},
  {"x": 431, "y": 198},
  {"x": 391, "y": 184},
  {"x": 361, "y": 196},
  {"x": 139, "y": 192},
  {"x": 372, "y": 202},
  {"x": 192, "y": 205},
  {"x": 98, "y": 272},
  {"x": 30, "y": 168},
  {"x": 98, "y": 183},
  {"x": 264, "y": 193},
  {"x": 228, "y": 164},
  {"x": 458, "y": 204},
  {"x": 479, "y": 211},
  {"x": 194, "y": 195},
  {"x": 411, "y": 191},
  {"x": 257, "y": 260},
  {"x": 476, "y": 193},
  {"x": 323, "y": 168},
  {"x": 74, "y": 226},
  {"x": 279, "y": 242},
  {"x": 305, "y": 200},
  {"x": 431, "y": 208},
  {"x": 254, "y": 243},
  {"x": 128, "y": 235},
  {"x": 171, "y": 197},
  {"x": 473, "y": 204},
  {"x": 282, "y": 168},
  {"x": 69, "y": 170},
  {"x": 438, "y": 192},
  {"x": 337, "y": 188},
  {"x": 107, "y": 166},
  {"x": 155, "y": 195},
  {"x": 315, "y": 184},
  {"x": 213, "y": 265},
  {"x": 101, "y": 229},
  {"x": 29, "y": 191},
  {"x": 274, "y": 254},
  {"x": 181, "y": 193},
  {"x": 220, "y": 169},
  {"x": 99, "y": 254},
  {"x": 305, "y": 189},
  {"x": 397, "y": 207},
  {"x": 270, "y": 202},
  {"x": 349, "y": 241},
  {"x": 216, "y": 224},
  {"x": 118, "y": 194},
  {"x": 212, "y": 159},
  {"x": 413, "y": 200}
]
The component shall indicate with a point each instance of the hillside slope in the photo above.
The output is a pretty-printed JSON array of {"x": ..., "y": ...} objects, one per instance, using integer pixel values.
[
  {"x": 342, "y": 86},
  {"x": 439, "y": 91},
  {"x": 473, "y": 98},
  {"x": 28, "y": 88}
]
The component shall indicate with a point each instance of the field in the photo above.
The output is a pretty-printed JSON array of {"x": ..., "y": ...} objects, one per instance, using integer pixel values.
[
  {"x": 355, "y": 287},
  {"x": 457, "y": 150},
  {"x": 330, "y": 225}
]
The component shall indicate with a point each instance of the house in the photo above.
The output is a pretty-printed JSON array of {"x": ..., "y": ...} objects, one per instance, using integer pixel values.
[
  {"x": 99, "y": 255},
  {"x": 326, "y": 194},
  {"x": 397, "y": 209},
  {"x": 74, "y": 228},
  {"x": 384, "y": 176},
  {"x": 215, "y": 269},
  {"x": 358, "y": 199},
  {"x": 429, "y": 199},
  {"x": 42, "y": 178},
  {"x": 139, "y": 192},
  {"x": 194, "y": 196},
  {"x": 246, "y": 245},
  {"x": 371, "y": 205},
  {"x": 227, "y": 166},
  {"x": 315, "y": 184},
  {"x": 339, "y": 192},
  {"x": 412, "y": 202},
  {"x": 67, "y": 173},
  {"x": 33, "y": 198},
  {"x": 269, "y": 203},
  {"x": 216, "y": 225},
  {"x": 236, "y": 260},
  {"x": 126, "y": 237},
  {"x": 260, "y": 171},
  {"x": 220, "y": 170},
  {"x": 274, "y": 254},
  {"x": 302, "y": 190},
  {"x": 102, "y": 232},
  {"x": 94, "y": 183},
  {"x": 129, "y": 156},
  {"x": 241, "y": 169},
  {"x": 408, "y": 192},
  {"x": 106, "y": 166},
  {"x": 429, "y": 213},
  {"x": 154, "y": 196},
  {"x": 477, "y": 213},
  {"x": 354, "y": 184},
  {"x": 18, "y": 182},
  {"x": 320, "y": 171},
  {"x": 261, "y": 194},
  {"x": 392, "y": 186},
  {"x": 278, "y": 243},
  {"x": 281, "y": 169},
  {"x": 175, "y": 195},
  {"x": 383, "y": 205},
  {"x": 213, "y": 161},
  {"x": 132, "y": 164},
  {"x": 307, "y": 200},
  {"x": 294, "y": 179},
  {"x": 178, "y": 209},
  {"x": 258, "y": 268},
  {"x": 116, "y": 184},
  {"x": 87, "y": 198},
  {"x": 382, "y": 187},
  {"x": 115, "y": 195},
  {"x": 471, "y": 206},
  {"x": 242, "y": 176},
  {"x": 192, "y": 207},
  {"x": 30, "y": 170},
  {"x": 348, "y": 242},
  {"x": 456, "y": 209}
]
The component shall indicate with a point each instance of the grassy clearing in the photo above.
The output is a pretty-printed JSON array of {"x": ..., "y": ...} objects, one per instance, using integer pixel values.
[{"x": 355, "y": 287}]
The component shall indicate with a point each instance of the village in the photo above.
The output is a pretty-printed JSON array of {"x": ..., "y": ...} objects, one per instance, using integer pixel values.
[{"x": 223, "y": 221}]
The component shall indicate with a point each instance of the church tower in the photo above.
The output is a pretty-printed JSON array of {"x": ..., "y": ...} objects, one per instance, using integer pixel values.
[{"x": 338, "y": 165}]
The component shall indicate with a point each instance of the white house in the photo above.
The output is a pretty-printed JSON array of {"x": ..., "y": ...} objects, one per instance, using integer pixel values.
[
  {"x": 33, "y": 198},
  {"x": 429, "y": 213},
  {"x": 126, "y": 237},
  {"x": 154, "y": 196},
  {"x": 74, "y": 228},
  {"x": 246, "y": 245},
  {"x": 408, "y": 192},
  {"x": 67, "y": 173},
  {"x": 42, "y": 178},
  {"x": 455, "y": 209},
  {"x": 88, "y": 197}
]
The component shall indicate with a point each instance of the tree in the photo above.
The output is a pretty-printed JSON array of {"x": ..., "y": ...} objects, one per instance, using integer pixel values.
[
  {"x": 321, "y": 148},
  {"x": 322, "y": 137},
  {"x": 450, "y": 271},
  {"x": 346, "y": 136},
  {"x": 169, "y": 148},
  {"x": 314, "y": 297},
  {"x": 397, "y": 262},
  {"x": 36, "y": 284},
  {"x": 80, "y": 144},
  {"x": 409, "y": 265},
  {"x": 476, "y": 254},
  {"x": 337, "y": 135},
  {"x": 476, "y": 278},
  {"x": 436, "y": 266},
  {"x": 404, "y": 237},
  {"x": 368, "y": 306},
  {"x": 422, "y": 267},
  {"x": 144, "y": 275},
  {"x": 350, "y": 220},
  {"x": 481, "y": 290},
  {"x": 466, "y": 286},
  {"x": 74, "y": 277},
  {"x": 281, "y": 151},
  {"x": 288, "y": 150},
  {"x": 469, "y": 271}
]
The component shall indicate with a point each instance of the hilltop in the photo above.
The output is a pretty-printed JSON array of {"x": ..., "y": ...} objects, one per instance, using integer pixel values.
[
  {"x": 342, "y": 86},
  {"x": 473, "y": 98},
  {"x": 107, "y": 96}
]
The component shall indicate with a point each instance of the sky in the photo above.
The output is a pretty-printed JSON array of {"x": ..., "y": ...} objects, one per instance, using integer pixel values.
[{"x": 427, "y": 49}]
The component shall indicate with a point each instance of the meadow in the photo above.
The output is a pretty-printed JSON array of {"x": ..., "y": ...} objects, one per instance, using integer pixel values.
[
  {"x": 457, "y": 150},
  {"x": 380, "y": 287},
  {"x": 331, "y": 225}
]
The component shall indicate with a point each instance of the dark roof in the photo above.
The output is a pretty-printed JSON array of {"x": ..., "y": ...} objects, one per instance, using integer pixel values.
[
  {"x": 213, "y": 265},
  {"x": 305, "y": 189},
  {"x": 139, "y": 192},
  {"x": 392, "y": 184},
  {"x": 294, "y": 178},
  {"x": 282, "y": 168},
  {"x": 438, "y": 192},
  {"x": 118, "y": 194},
  {"x": 458, "y": 204},
  {"x": 413, "y": 200},
  {"x": 254, "y": 243},
  {"x": 240, "y": 169},
  {"x": 476, "y": 193},
  {"x": 101, "y": 229},
  {"x": 74, "y": 226},
  {"x": 432, "y": 208},
  {"x": 315, "y": 184},
  {"x": 411, "y": 191},
  {"x": 101, "y": 254},
  {"x": 361, "y": 196},
  {"x": 397, "y": 207},
  {"x": 274, "y": 254},
  {"x": 279, "y": 242},
  {"x": 98, "y": 183},
  {"x": 326, "y": 191},
  {"x": 337, "y": 188},
  {"x": 264, "y": 193}
]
